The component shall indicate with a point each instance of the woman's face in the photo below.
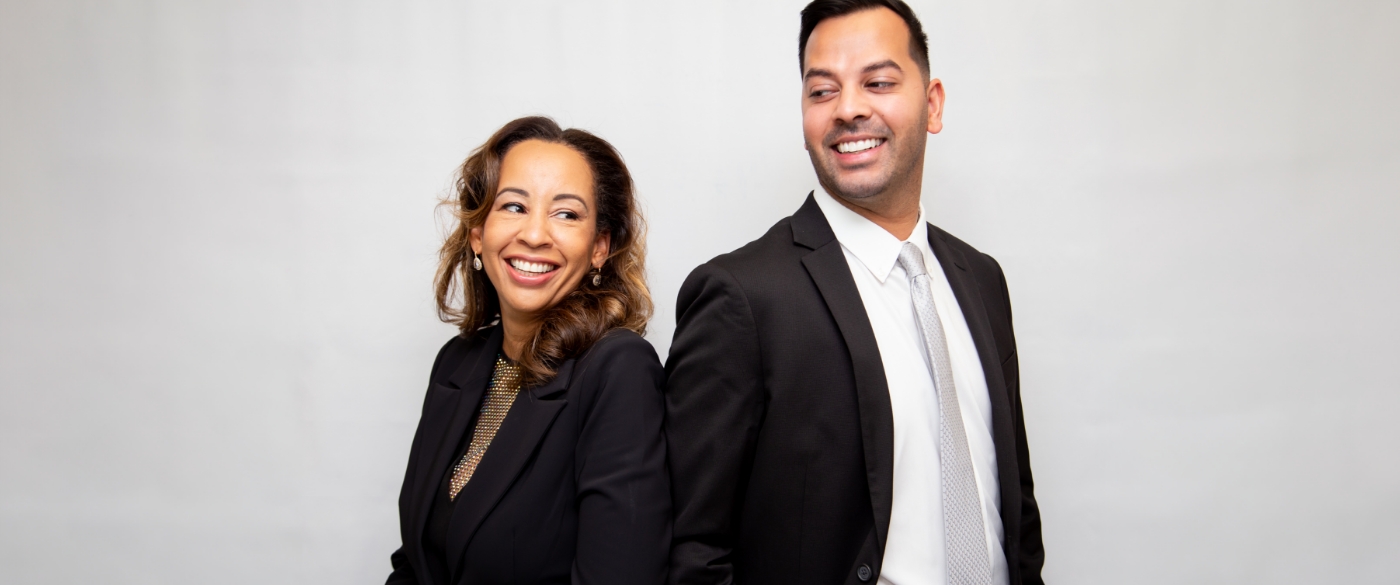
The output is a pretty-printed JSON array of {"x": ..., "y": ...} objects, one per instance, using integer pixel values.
[{"x": 541, "y": 235}]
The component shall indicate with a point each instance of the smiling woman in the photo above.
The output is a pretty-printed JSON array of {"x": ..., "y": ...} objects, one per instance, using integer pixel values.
[
  {"x": 536, "y": 193},
  {"x": 539, "y": 457}
]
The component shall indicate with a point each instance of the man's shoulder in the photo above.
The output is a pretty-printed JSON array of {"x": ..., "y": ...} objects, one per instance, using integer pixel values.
[
  {"x": 765, "y": 266},
  {"x": 981, "y": 262},
  {"x": 774, "y": 247},
  {"x": 769, "y": 258}
]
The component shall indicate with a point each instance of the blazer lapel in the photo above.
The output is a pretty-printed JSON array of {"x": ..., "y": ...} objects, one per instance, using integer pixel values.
[
  {"x": 827, "y": 266},
  {"x": 525, "y": 425},
  {"x": 469, "y": 380},
  {"x": 969, "y": 295}
]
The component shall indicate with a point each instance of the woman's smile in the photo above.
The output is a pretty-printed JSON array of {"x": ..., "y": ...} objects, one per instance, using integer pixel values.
[{"x": 530, "y": 272}]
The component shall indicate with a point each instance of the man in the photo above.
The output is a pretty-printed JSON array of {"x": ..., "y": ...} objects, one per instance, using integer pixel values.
[{"x": 843, "y": 401}]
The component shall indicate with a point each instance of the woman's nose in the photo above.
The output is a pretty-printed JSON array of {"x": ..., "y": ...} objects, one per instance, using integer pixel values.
[{"x": 536, "y": 230}]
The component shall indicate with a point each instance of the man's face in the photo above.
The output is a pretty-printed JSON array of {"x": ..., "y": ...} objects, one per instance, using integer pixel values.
[{"x": 865, "y": 106}]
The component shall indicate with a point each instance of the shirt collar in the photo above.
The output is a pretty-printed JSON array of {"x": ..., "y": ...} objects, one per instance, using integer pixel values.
[{"x": 876, "y": 248}]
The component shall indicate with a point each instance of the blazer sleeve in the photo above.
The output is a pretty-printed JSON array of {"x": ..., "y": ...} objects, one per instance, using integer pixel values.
[
  {"x": 714, "y": 407},
  {"x": 1032, "y": 549},
  {"x": 624, "y": 492},
  {"x": 402, "y": 573}
]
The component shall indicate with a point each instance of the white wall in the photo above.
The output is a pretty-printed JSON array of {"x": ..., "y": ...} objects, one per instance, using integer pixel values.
[{"x": 217, "y": 240}]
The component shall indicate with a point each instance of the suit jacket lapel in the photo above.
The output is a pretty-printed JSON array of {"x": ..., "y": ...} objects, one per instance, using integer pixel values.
[
  {"x": 969, "y": 295},
  {"x": 827, "y": 266},
  {"x": 525, "y": 425},
  {"x": 469, "y": 380}
]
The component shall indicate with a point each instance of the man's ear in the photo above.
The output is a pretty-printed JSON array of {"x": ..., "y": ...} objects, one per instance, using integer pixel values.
[
  {"x": 935, "y": 106},
  {"x": 601, "y": 245}
]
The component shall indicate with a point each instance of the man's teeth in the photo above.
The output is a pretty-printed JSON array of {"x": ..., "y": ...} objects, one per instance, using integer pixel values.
[
  {"x": 857, "y": 146},
  {"x": 535, "y": 267}
]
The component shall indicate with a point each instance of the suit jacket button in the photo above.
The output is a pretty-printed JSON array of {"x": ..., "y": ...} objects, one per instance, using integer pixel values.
[{"x": 863, "y": 573}]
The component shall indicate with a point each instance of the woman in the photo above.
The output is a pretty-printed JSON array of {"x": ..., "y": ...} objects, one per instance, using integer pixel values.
[{"x": 539, "y": 457}]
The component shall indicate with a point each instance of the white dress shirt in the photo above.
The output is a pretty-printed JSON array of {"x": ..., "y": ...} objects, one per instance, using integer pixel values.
[{"x": 914, "y": 551}]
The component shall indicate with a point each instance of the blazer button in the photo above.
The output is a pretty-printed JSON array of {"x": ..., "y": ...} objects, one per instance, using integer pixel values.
[{"x": 863, "y": 573}]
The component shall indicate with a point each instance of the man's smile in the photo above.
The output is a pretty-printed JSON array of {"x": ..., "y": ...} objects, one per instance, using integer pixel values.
[{"x": 852, "y": 146}]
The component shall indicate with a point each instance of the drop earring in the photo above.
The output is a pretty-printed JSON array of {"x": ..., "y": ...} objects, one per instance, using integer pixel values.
[
  {"x": 597, "y": 276},
  {"x": 476, "y": 261}
]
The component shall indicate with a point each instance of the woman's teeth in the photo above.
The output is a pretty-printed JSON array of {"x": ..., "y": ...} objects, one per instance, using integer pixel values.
[
  {"x": 858, "y": 145},
  {"x": 531, "y": 267}
]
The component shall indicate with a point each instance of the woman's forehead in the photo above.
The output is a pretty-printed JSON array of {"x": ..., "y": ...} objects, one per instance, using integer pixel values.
[{"x": 546, "y": 169}]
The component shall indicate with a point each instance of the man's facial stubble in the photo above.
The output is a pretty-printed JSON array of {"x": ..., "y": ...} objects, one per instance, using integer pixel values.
[{"x": 906, "y": 150}]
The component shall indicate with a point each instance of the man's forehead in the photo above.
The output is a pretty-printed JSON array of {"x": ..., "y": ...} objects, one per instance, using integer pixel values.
[{"x": 858, "y": 40}]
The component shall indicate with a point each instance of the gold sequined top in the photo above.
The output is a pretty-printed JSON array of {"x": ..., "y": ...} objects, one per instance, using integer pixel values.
[{"x": 505, "y": 384}]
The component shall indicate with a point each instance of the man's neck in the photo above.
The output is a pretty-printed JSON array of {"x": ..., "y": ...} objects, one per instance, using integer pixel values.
[{"x": 897, "y": 214}]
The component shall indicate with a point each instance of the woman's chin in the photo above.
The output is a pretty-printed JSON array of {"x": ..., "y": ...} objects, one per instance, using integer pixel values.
[{"x": 524, "y": 306}]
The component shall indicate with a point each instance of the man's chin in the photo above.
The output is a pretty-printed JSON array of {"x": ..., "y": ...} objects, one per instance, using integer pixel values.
[{"x": 855, "y": 190}]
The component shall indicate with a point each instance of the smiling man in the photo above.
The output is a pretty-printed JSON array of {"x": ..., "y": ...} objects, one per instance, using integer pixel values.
[{"x": 843, "y": 398}]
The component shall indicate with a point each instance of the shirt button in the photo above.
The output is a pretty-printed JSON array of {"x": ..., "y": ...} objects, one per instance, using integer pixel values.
[{"x": 863, "y": 573}]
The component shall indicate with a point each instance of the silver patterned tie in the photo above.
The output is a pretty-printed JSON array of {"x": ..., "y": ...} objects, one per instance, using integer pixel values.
[{"x": 964, "y": 538}]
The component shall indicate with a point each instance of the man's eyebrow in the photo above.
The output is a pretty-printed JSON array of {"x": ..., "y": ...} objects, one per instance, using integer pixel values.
[
  {"x": 868, "y": 69},
  {"x": 881, "y": 65}
]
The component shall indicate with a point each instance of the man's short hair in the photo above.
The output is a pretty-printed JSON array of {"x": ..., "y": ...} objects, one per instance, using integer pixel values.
[{"x": 820, "y": 10}]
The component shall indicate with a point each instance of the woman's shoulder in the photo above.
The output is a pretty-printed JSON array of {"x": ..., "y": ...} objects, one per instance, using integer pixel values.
[
  {"x": 620, "y": 368},
  {"x": 621, "y": 344},
  {"x": 458, "y": 348},
  {"x": 620, "y": 354}
]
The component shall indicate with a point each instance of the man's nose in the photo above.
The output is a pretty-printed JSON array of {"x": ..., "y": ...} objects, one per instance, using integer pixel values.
[{"x": 852, "y": 106}]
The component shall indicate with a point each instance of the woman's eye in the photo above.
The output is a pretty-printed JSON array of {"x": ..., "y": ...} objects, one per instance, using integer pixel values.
[
  {"x": 513, "y": 208},
  {"x": 566, "y": 214}
]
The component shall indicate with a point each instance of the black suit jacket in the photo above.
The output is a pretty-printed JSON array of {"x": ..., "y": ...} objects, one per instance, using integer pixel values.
[
  {"x": 780, "y": 434},
  {"x": 574, "y": 485}
]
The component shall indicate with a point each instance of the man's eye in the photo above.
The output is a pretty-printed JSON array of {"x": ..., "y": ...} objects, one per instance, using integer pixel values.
[{"x": 820, "y": 93}]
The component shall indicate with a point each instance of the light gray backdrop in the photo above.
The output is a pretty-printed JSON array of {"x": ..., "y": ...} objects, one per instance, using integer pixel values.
[{"x": 217, "y": 238}]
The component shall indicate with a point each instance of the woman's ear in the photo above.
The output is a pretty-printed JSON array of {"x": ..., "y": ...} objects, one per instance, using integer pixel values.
[
  {"x": 601, "y": 245},
  {"x": 474, "y": 237}
]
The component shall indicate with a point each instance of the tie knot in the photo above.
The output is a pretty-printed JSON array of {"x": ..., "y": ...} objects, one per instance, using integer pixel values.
[{"x": 911, "y": 260}]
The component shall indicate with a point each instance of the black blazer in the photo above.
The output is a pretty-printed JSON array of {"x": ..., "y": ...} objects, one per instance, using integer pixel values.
[
  {"x": 572, "y": 489},
  {"x": 780, "y": 434}
]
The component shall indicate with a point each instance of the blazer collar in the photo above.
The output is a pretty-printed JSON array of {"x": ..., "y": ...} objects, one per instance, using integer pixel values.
[
  {"x": 480, "y": 361},
  {"x": 827, "y": 266},
  {"x": 878, "y": 250},
  {"x": 525, "y": 425},
  {"x": 469, "y": 382},
  {"x": 970, "y": 298},
  {"x": 809, "y": 226}
]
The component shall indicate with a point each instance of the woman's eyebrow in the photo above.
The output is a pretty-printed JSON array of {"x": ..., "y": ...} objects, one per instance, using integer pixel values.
[{"x": 574, "y": 197}]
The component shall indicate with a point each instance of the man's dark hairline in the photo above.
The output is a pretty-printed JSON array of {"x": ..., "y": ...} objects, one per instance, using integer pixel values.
[{"x": 925, "y": 67}]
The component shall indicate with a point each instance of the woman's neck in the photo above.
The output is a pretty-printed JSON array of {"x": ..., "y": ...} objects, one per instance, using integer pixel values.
[{"x": 515, "y": 336}]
